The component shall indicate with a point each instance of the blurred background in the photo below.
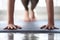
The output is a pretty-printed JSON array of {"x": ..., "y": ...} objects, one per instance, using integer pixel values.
[
  {"x": 40, "y": 10},
  {"x": 41, "y": 14}
]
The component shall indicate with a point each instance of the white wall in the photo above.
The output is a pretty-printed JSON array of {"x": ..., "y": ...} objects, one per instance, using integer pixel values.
[{"x": 19, "y": 6}]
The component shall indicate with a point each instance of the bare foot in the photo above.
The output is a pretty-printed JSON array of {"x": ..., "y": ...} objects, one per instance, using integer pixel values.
[
  {"x": 12, "y": 27},
  {"x": 26, "y": 17},
  {"x": 32, "y": 19},
  {"x": 32, "y": 16},
  {"x": 49, "y": 27}
]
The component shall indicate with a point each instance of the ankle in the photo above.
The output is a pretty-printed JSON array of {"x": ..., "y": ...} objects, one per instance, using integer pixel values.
[
  {"x": 32, "y": 14},
  {"x": 26, "y": 15},
  {"x": 32, "y": 10}
]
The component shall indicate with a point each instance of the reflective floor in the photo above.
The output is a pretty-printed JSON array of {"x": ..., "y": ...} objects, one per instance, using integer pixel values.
[{"x": 18, "y": 36}]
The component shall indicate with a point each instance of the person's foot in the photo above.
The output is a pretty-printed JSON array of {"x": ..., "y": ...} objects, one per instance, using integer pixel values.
[
  {"x": 32, "y": 16},
  {"x": 26, "y": 17},
  {"x": 12, "y": 27},
  {"x": 49, "y": 27}
]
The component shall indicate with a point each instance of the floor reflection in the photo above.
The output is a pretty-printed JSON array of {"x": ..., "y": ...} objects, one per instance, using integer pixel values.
[
  {"x": 50, "y": 36},
  {"x": 3, "y": 36},
  {"x": 10, "y": 36},
  {"x": 27, "y": 36},
  {"x": 30, "y": 37}
]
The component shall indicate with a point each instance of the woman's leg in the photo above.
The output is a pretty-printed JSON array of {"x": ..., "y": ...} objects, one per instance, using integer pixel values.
[
  {"x": 50, "y": 9},
  {"x": 33, "y": 5},
  {"x": 26, "y": 15},
  {"x": 11, "y": 15}
]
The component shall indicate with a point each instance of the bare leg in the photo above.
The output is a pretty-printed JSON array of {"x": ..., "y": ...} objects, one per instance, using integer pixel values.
[
  {"x": 33, "y": 5},
  {"x": 11, "y": 16},
  {"x": 25, "y": 4},
  {"x": 50, "y": 9}
]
